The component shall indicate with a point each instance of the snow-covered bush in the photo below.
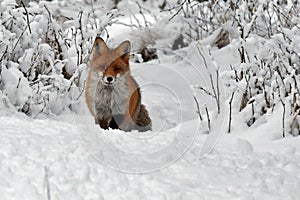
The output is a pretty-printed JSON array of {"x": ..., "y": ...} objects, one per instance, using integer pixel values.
[
  {"x": 44, "y": 52},
  {"x": 267, "y": 76},
  {"x": 199, "y": 19},
  {"x": 265, "y": 35}
]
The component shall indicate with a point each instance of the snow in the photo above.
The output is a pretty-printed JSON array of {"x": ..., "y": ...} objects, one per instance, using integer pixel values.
[
  {"x": 55, "y": 151},
  {"x": 234, "y": 169}
]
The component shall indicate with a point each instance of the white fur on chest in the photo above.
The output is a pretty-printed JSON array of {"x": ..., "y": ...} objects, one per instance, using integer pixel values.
[
  {"x": 109, "y": 100},
  {"x": 120, "y": 97}
]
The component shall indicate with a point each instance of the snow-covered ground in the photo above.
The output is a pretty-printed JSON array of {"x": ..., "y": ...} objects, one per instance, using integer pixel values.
[{"x": 40, "y": 154}]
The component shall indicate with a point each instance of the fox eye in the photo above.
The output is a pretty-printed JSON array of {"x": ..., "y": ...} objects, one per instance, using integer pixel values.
[{"x": 117, "y": 69}]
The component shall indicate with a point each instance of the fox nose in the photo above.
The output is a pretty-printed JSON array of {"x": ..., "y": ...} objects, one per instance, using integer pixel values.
[{"x": 109, "y": 79}]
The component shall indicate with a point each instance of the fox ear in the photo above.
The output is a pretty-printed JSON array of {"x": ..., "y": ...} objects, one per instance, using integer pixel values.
[
  {"x": 123, "y": 50},
  {"x": 99, "y": 47}
]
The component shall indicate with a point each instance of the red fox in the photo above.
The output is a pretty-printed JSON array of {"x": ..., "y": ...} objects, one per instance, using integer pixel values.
[{"x": 112, "y": 95}]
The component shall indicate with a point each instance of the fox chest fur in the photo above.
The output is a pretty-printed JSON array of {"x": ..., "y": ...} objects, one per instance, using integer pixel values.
[{"x": 110, "y": 100}]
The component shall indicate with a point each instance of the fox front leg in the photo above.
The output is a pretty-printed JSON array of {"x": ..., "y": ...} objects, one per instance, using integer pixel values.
[
  {"x": 97, "y": 120},
  {"x": 102, "y": 122},
  {"x": 103, "y": 115}
]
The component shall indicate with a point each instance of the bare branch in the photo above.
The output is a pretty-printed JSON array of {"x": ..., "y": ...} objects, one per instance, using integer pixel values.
[
  {"x": 230, "y": 112},
  {"x": 82, "y": 37},
  {"x": 81, "y": 90},
  {"x": 208, "y": 118},
  {"x": 205, "y": 90},
  {"x": 198, "y": 109},
  {"x": 204, "y": 60},
  {"x": 27, "y": 16}
]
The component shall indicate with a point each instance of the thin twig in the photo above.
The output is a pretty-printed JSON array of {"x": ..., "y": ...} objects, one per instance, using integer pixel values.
[
  {"x": 295, "y": 84},
  {"x": 174, "y": 7},
  {"x": 283, "y": 118},
  {"x": 131, "y": 25},
  {"x": 282, "y": 80},
  {"x": 218, "y": 90},
  {"x": 141, "y": 12},
  {"x": 82, "y": 37},
  {"x": 27, "y": 16},
  {"x": 230, "y": 112},
  {"x": 81, "y": 90},
  {"x": 281, "y": 11},
  {"x": 19, "y": 38},
  {"x": 178, "y": 11},
  {"x": 18, "y": 82},
  {"x": 215, "y": 90},
  {"x": 208, "y": 119},
  {"x": 204, "y": 60},
  {"x": 205, "y": 90},
  {"x": 198, "y": 109},
  {"x": 283, "y": 105},
  {"x": 5, "y": 52},
  {"x": 49, "y": 13},
  {"x": 76, "y": 46}
]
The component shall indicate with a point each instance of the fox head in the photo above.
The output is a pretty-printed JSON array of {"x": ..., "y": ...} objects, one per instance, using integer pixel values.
[{"x": 110, "y": 64}]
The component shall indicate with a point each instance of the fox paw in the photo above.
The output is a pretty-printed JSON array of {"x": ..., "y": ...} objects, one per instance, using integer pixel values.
[{"x": 104, "y": 124}]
